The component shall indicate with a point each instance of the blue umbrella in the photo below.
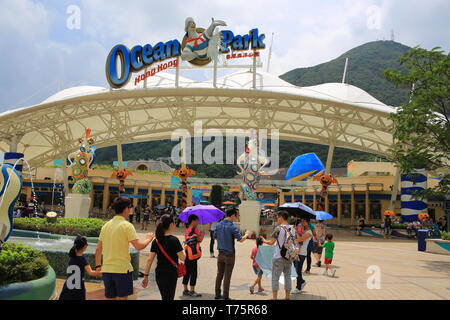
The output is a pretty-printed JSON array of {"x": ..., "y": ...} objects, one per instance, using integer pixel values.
[
  {"x": 298, "y": 209},
  {"x": 322, "y": 215},
  {"x": 205, "y": 213}
]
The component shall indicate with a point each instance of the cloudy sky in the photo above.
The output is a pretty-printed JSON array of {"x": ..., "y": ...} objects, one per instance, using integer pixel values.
[{"x": 50, "y": 45}]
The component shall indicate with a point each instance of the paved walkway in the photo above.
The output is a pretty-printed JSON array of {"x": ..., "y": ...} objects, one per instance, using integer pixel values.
[{"x": 405, "y": 273}]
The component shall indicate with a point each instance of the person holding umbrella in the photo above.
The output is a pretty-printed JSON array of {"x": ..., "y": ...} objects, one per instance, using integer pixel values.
[{"x": 193, "y": 238}]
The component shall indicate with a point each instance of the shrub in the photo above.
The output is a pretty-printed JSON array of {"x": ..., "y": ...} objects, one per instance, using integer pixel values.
[
  {"x": 445, "y": 235},
  {"x": 82, "y": 186},
  {"x": 20, "y": 263},
  {"x": 88, "y": 227}
]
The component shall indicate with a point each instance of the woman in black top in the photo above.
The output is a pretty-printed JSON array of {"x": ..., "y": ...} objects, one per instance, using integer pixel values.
[
  {"x": 74, "y": 288},
  {"x": 166, "y": 273}
]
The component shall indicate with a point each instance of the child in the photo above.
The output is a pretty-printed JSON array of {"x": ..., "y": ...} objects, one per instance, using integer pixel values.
[
  {"x": 256, "y": 268},
  {"x": 329, "y": 248},
  {"x": 74, "y": 288}
]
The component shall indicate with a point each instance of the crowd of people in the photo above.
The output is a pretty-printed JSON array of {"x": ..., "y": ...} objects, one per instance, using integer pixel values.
[{"x": 113, "y": 261}]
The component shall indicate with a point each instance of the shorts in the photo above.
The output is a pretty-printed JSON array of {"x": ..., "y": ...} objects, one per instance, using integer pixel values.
[
  {"x": 146, "y": 218},
  {"x": 258, "y": 271},
  {"x": 328, "y": 260},
  {"x": 118, "y": 284}
]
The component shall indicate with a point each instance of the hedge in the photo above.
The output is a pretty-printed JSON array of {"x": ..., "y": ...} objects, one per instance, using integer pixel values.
[
  {"x": 88, "y": 227},
  {"x": 21, "y": 263}
]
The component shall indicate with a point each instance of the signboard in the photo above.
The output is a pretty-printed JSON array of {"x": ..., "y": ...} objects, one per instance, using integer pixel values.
[{"x": 199, "y": 47}]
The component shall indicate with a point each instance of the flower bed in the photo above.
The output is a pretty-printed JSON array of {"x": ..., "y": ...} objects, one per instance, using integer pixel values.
[{"x": 88, "y": 227}]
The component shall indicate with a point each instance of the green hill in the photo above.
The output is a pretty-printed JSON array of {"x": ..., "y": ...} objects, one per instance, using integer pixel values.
[{"x": 365, "y": 70}]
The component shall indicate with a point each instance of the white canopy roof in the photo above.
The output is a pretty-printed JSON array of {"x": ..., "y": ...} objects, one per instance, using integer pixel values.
[{"x": 336, "y": 113}]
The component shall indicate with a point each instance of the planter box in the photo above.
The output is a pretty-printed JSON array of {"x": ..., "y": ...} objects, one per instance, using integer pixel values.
[
  {"x": 438, "y": 246},
  {"x": 77, "y": 205},
  {"x": 39, "y": 289}
]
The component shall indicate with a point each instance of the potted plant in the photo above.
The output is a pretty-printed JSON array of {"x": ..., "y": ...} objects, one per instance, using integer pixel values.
[{"x": 25, "y": 274}]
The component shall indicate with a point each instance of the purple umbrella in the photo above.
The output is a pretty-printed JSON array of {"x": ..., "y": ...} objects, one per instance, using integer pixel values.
[{"x": 205, "y": 213}]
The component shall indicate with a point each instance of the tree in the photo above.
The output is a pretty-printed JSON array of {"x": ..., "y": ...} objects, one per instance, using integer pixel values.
[
  {"x": 216, "y": 196},
  {"x": 421, "y": 127}
]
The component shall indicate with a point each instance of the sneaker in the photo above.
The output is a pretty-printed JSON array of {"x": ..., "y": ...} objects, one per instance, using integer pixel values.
[
  {"x": 260, "y": 289},
  {"x": 252, "y": 289},
  {"x": 303, "y": 285},
  {"x": 306, "y": 272},
  {"x": 333, "y": 272},
  {"x": 296, "y": 291},
  {"x": 212, "y": 255},
  {"x": 218, "y": 298},
  {"x": 195, "y": 294},
  {"x": 325, "y": 273},
  {"x": 186, "y": 293}
]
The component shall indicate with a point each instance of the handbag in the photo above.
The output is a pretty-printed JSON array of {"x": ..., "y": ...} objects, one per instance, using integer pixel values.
[{"x": 181, "y": 267}]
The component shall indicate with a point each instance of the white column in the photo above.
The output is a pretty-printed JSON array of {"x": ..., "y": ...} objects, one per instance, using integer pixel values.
[{"x": 395, "y": 189}]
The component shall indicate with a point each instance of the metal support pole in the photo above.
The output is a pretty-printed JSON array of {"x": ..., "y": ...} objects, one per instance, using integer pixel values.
[
  {"x": 215, "y": 74},
  {"x": 254, "y": 69},
  {"x": 345, "y": 70},
  {"x": 177, "y": 73},
  {"x": 183, "y": 152},
  {"x": 119, "y": 156},
  {"x": 65, "y": 176},
  {"x": 329, "y": 158},
  {"x": 13, "y": 144}
]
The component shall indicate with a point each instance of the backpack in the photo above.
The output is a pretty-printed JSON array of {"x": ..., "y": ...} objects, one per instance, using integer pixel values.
[
  {"x": 290, "y": 248},
  {"x": 193, "y": 249}
]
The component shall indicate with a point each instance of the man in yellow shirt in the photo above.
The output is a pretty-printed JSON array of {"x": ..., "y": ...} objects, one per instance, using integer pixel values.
[{"x": 113, "y": 245}]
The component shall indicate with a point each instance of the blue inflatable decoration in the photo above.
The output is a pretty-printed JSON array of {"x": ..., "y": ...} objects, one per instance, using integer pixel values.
[
  {"x": 415, "y": 181},
  {"x": 304, "y": 166},
  {"x": 10, "y": 188}
]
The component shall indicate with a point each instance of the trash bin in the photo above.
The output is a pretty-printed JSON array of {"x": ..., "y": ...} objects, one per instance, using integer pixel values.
[{"x": 422, "y": 234}]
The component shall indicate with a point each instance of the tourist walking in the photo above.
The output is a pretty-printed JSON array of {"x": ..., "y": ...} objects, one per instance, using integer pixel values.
[
  {"x": 113, "y": 247},
  {"x": 131, "y": 215},
  {"x": 137, "y": 214},
  {"x": 387, "y": 227},
  {"x": 305, "y": 238},
  {"x": 329, "y": 253},
  {"x": 311, "y": 245},
  {"x": 258, "y": 271},
  {"x": 281, "y": 235},
  {"x": 146, "y": 218},
  {"x": 212, "y": 228},
  {"x": 320, "y": 233},
  {"x": 226, "y": 233},
  {"x": 361, "y": 225},
  {"x": 193, "y": 237},
  {"x": 168, "y": 251},
  {"x": 78, "y": 264}
]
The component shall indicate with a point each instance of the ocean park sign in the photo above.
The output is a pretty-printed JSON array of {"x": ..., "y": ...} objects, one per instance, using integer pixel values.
[{"x": 199, "y": 47}]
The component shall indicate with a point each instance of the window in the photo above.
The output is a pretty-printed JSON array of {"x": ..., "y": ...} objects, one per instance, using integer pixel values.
[
  {"x": 346, "y": 209},
  {"x": 360, "y": 208},
  {"x": 333, "y": 208},
  {"x": 375, "y": 209}
]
